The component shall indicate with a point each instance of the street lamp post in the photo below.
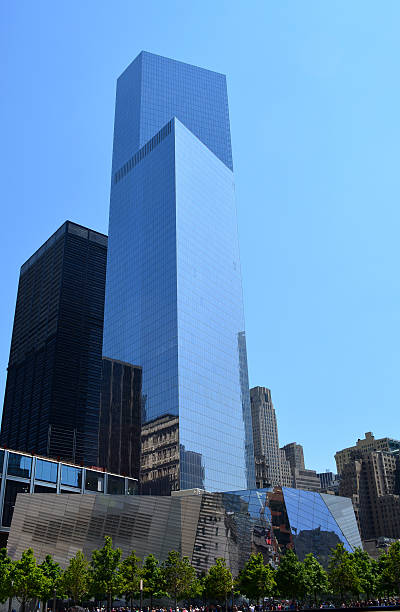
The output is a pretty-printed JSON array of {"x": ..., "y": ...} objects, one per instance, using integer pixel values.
[{"x": 141, "y": 594}]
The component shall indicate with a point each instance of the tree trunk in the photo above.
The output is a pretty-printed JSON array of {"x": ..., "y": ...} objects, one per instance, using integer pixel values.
[
  {"x": 9, "y": 603},
  {"x": 109, "y": 601},
  {"x": 226, "y": 603},
  {"x": 151, "y": 600},
  {"x": 131, "y": 603}
]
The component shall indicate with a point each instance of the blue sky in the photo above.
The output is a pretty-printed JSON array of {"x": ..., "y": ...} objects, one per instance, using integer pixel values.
[{"x": 314, "y": 97}]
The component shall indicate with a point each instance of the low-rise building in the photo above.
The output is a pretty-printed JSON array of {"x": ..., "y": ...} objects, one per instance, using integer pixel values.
[
  {"x": 25, "y": 473},
  {"x": 203, "y": 526}
]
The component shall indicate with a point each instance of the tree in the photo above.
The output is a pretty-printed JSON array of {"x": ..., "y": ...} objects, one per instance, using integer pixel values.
[
  {"x": 342, "y": 572},
  {"x": 256, "y": 580},
  {"x": 315, "y": 578},
  {"x": 51, "y": 579},
  {"x": 218, "y": 582},
  {"x": 390, "y": 568},
  {"x": 384, "y": 585},
  {"x": 6, "y": 577},
  {"x": 178, "y": 575},
  {"x": 27, "y": 578},
  {"x": 152, "y": 578},
  {"x": 75, "y": 580},
  {"x": 289, "y": 576},
  {"x": 130, "y": 577},
  {"x": 105, "y": 571},
  {"x": 366, "y": 570}
]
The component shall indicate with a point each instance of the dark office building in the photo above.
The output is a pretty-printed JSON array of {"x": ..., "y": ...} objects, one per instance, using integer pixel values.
[
  {"x": 51, "y": 404},
  {"x": 120, "y": 417}
]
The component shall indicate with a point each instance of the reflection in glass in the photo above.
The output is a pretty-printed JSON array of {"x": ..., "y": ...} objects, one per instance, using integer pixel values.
[
  {"x": 94, "y": 481},
  {"x": 71, "y": 476},
  {"x": 42, "y": 489},
  {"x": 159, "y": 464},
  {"x": 19, "y": 465},
  {"x": 12, "y": 489},
  {"x": 46, "y": 470},
  {"x": 192, "y": 469},
  {"x": 132, "y": 487},
  {"x": 115, "y": 485},
  {"x": 1, "y": 460},
  {"x": 173, "y": 292}
]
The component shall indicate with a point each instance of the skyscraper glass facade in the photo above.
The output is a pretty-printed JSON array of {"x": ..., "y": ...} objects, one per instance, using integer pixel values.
[
  {"x": 173, "y": 292},
  {"x": 51, "y": 403}
]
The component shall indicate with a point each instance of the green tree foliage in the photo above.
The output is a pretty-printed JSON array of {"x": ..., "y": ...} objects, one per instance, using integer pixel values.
[
  {"x": 315, "y": 578},
  {"x": 75, "y": 580},
  {"x": 289, "y": 576},
  {"x": 178, "y": 575},
  {"x": 366, "y": 570},
  {"x": 105, "y": 571},
  {"x": 151, "y": 573},
  {"x": 52, "y": 574},
  {"x": 389, "y": 564},
  {"x": 27, "y": 579},
  {"x": 130, "y": 577},
  {"x": 218, "y": 582},
  {"x": 6, "y": 576},
  {"x": 342, "y": 572},
  {"x": 256, "y": 580}
]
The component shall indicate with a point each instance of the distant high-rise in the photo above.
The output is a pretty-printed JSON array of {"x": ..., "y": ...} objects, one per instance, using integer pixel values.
[
  {"x": 372, "y": 480},
  {"x": 365, "y": 445},
  {"x": 302, "y": 478},
  {"x": 120, "y": 418},
  {"x": 370, "y": 474},
  {"x": 174, "y": 296},
  {"x": 267, "y": 453},
  {"x": 295, "y": 455},
  {"x": 329, "y": 481},
  {"x": 51, "y": 404}
]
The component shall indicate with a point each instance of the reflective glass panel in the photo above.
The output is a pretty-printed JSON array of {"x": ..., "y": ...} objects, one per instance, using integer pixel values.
[
  {"x": 46, "y": 470},
  {"x": 94, "y": 481},
  {"x": 173, "y": 291},
  {"x": 71, "y": 476},
  {"x": 115, "y": 485},
  {"x": 1, "y": 460},
  {"x": 42, "y": 489},
  {"x": 12, "y": 490},
  {"x": 132, "y": 487},
  {"x": 19, "y": 465},
  {"x": 312, "y": 525}
]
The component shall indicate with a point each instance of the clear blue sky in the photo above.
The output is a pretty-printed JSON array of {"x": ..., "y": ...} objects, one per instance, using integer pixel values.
[{"x": 314, "y": 95}]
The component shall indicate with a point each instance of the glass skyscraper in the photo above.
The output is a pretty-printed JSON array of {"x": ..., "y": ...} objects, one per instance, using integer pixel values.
[{"x": 173, "y": 292}]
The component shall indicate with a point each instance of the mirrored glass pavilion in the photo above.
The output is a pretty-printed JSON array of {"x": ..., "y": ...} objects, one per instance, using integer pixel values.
[{"x": 173, "y": 291}]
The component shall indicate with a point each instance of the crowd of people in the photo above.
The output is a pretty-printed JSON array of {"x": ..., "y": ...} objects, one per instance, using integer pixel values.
[{"x": 271, "y": 605}]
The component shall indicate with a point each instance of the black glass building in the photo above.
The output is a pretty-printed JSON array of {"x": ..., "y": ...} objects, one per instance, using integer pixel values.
[
  {"x": 51, "y": 404},
  {"x": 120, "y": 417}
]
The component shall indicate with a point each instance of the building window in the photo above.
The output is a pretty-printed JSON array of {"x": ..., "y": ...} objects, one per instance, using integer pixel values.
[
  {"x": 94, "y": 481},
  {"x": 132, "y": 487},
  {"x": 12, "y": 490},
  {"x": 41, "y": 489},
  {"x": 19, "y": 465},
  {"x": 46, "y": 470},
  {"x": 115, "y": 485},
  {"x": 71, "y": 476}
]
